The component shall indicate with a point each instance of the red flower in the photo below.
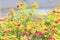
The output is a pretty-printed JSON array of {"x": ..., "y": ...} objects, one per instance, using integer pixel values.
[
  {"x": 18, "y": 24},
  {"x": 54, "y": 31},
  {"x": 41, "y": 34}
]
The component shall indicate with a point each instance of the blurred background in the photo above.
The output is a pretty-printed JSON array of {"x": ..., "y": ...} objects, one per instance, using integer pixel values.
[{"x": 45, "y": 5}]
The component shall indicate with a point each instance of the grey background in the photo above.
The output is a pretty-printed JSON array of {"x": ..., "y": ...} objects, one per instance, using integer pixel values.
[
  {"x": 42, "y": 3},
  {"x": 45, "y": 5}
]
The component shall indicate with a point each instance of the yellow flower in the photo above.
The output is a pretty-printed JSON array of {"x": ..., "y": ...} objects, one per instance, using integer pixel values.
[
  {"x": 53, "y": 24},
  {"x": 14, "y": 37},
  {"x": 29, "y": 27},
  {"x": 43, "y": 28},
  {"x": 33, "y": 31},
  {"x": 22, "y": 11},
  {"x": 15, "y": 23},
  {"x": 56, "y": 37},
  {"x": 57, "y": 9},
  {"x": 35, "y": 5},
  {"x": 21, "y": 38},
  {"x": 12, "y": 11},
  {"x": 20, "y": 4},
  {"x": 25, "y": 37}
]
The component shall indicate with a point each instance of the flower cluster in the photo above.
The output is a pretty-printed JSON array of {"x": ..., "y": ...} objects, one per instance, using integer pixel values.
[{"x": 27, "y": 26}]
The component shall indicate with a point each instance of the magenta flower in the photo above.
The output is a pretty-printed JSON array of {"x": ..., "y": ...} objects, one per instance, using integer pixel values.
[
  {"x": 19, "y": 25},
  {"x": 36, "y": 32},
  {"x": 56, "y": 21},
  {"x": 46, "y": 29},
  {"x": 25, "y": 33},
  {"x": 29, "y": 38},
  {"x": 41, "y": 34}
]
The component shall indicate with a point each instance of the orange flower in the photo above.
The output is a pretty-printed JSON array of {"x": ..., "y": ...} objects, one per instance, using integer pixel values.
[
  {"x": 15, "y": 38},
  {"x": 6, "y": 38},
  {"x": 6, "y": 31},
  {"x": 20, "y": 4}
]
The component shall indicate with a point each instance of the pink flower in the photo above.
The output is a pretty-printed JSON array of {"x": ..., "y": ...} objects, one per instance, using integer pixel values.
[
  {"x": 46, "y": 29},
  {"x": 56, "y": 21},
  {"x": 29, "y": 38},
  {"x": 54, "y": 31},
  {"x": 25, "y": 33},
  {"x": 1, "y": 20},
  {"x": 41, "y": 34},
  {"x": 36, "y": 32}
]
